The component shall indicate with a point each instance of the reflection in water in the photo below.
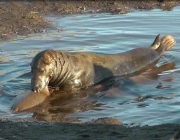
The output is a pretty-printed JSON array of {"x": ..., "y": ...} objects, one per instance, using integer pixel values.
[
  {"x": 56, "y": 107},
  {"x": 152, "y": 75},
  {"x": 60, "y": 104}
]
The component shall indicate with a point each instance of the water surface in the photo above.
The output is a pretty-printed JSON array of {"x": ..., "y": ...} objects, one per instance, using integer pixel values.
[{"x": 154, "y": 100}]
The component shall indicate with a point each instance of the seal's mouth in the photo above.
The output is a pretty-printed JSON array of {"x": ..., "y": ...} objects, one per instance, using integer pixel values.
[
  {"x": 39, "y": 84},
  {"x": 38, "y": 88}
]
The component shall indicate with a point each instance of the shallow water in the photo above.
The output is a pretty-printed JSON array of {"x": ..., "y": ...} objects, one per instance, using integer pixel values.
[{"x": 154, "y": 99}]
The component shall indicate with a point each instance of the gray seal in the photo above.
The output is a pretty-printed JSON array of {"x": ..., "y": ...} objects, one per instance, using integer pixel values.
[{"x": 53, "y": 68}]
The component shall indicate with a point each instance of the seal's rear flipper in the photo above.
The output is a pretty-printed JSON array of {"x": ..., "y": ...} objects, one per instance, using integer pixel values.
[
  {"x": 156, "y": 42},
  {"x": 164, "y": 44},
  {"x": 167, "y": 42}
]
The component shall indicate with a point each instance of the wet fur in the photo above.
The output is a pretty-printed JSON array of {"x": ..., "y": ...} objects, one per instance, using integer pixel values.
[{"x": 75, "y": 71}]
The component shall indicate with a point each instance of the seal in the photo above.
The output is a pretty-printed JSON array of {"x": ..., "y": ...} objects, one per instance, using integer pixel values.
[{"x": 80, "y": 70}]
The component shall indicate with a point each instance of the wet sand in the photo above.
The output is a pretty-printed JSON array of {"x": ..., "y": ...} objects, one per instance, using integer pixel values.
[
  {"x": 17, "y": 130},
  {"x": 25, "y": 17}
]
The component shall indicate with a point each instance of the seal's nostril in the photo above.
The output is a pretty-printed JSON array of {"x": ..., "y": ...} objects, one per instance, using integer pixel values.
[
  {"x": 33, "y": 90},
  {"x": 36, "y": 88}
]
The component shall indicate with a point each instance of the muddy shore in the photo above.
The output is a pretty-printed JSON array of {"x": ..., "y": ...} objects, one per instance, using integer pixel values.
[
  {"x": 26, "y": 17},
  {"x": 17, "y": 130}
]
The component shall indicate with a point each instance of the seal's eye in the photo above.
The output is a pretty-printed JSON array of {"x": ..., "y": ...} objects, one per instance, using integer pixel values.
[{"x": 41, "y": 70}]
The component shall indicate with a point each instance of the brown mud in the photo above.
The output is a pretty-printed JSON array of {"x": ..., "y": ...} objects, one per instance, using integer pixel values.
[
  {"x": 103, "y": 129},
  {"x": 26, "y": 17}
]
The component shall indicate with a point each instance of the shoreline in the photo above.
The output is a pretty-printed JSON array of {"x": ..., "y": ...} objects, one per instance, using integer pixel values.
[
  {"x": 24, "y": 129},
  {"x": 23, "y": 18}
]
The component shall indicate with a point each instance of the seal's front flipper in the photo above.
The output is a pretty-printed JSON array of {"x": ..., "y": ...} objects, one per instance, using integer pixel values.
[{"x": 29, "y": 100}]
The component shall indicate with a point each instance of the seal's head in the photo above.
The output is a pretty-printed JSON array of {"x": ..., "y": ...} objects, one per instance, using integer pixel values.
[{"x": 42, "y": 70}]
